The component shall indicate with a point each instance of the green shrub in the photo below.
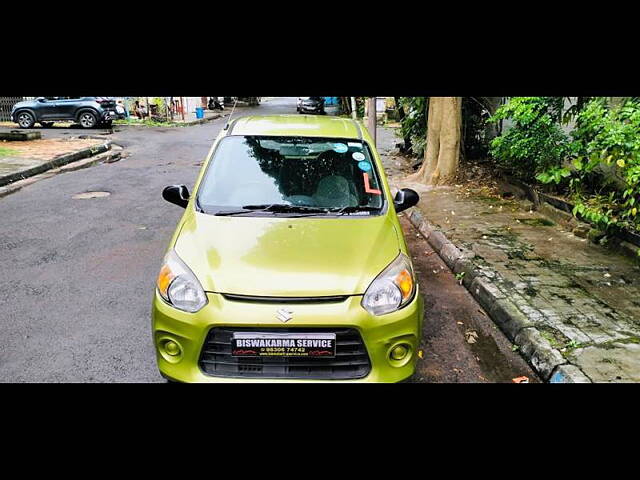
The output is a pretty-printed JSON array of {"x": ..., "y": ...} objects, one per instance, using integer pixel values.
[
  {"x": 605, "y": 182},
  {"x": 535, "y": 143},
  {"x": 414, "y": 124}
]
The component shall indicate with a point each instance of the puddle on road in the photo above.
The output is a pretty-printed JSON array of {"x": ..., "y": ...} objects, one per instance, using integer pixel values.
[{"x": 87, "y": 195}]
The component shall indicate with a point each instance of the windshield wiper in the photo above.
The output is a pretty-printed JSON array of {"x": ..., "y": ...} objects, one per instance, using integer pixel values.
[
  {"x": 230, "y": 212},
  {"x": 273, "y": 208},
  {"x": 303, "y": 209},
  {"x": 283, "y": 207},
  {"x": 353, "y": 209}
]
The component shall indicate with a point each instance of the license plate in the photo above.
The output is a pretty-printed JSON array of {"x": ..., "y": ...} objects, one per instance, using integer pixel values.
[{"x": 256, "y": 344}]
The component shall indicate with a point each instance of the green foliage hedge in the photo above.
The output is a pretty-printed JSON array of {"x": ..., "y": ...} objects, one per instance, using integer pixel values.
[
  {"x": 414, "y": 125},
  {"x": 535, "y": 142},
  {"x": 597, "y": 165}
]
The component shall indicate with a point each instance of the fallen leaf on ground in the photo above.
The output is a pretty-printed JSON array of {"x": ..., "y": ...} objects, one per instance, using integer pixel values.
[
  {"x": 471, "y": 336},
  {"x": 460, "y": 323},
  {"x": 522, "y": 379},
  {"x": 481, "y": 312},
  {"x": 420, "y": 353}
]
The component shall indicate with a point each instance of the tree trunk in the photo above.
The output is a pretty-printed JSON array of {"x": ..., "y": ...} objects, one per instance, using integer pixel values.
[
  {"x": 371, "y": 118},
  {"x": 443, "y": 142}
]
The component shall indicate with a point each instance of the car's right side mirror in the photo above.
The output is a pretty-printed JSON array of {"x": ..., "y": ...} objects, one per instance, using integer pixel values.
[
  {"x": 176, "y": 194},
  {"x": 405, "y": 198}
]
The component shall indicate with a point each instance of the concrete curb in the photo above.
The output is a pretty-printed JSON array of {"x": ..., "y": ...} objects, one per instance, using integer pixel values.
[
  {"x": 205, "y": 120},
  {"x": 176, "y": 124},
  {"x": 546, "y": 360},
  {"x": 58, "y": 161}
]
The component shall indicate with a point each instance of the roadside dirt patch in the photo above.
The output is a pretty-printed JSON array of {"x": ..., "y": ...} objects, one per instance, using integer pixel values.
[{"x": 49, "y": 148}]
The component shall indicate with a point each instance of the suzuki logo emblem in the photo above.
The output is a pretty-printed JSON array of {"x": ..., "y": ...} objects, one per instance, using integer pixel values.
[{"x": 284, "y": 315}]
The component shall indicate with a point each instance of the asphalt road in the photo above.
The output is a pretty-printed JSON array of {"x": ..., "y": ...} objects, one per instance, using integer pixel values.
[{"x": 79, "y": 274}]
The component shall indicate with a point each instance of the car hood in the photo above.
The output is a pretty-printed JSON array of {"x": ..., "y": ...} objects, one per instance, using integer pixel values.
[{"x": 287, "y": 257}]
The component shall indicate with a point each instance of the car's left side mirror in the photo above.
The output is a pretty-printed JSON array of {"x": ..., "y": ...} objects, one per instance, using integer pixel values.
[
  {"x": 405, "y": 198},
  {"x": 177, "y": 194}
]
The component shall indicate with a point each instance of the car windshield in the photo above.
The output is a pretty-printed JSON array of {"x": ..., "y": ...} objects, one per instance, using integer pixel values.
[{"x": 319, "y": 175}]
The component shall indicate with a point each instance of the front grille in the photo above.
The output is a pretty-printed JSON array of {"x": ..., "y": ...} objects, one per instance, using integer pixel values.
[
  {"x": 257, "y": 299},
  {"x": 351, "y": 360}
]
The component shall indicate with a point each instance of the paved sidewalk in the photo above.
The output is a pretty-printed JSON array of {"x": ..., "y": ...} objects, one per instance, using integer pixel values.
[
  {"x": 22, "y": 159},
  {"x": 571, "y": 307}
]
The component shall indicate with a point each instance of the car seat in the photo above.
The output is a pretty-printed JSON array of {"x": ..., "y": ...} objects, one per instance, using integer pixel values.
[
  {"x": 334, "y": 191},
  {"x": 292, "y": 182}
]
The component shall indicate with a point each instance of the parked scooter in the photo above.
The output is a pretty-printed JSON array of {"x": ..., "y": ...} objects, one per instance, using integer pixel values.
[{"x": 214, "y": 104}]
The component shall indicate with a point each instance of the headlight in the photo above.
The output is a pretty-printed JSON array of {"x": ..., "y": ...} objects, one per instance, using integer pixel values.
[
  {"x": 392, "y": 289},
  {"x": 179, "y": 286}
]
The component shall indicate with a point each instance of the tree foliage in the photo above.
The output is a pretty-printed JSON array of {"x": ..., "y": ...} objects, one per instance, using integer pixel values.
[
  {"x": 535, "y": 142},
  {"x": 605, "y": 175},
  {"x": 414, "y": 124},
  {"x": 597, "y": 165}
]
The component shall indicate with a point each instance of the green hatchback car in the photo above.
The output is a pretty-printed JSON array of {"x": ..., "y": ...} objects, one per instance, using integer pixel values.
[{"x": 289, "y": 263}]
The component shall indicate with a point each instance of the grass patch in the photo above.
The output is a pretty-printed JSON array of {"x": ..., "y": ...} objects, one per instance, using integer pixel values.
[
  {"x": 7, "y": 152},
  {"x": 147, "y": 123}
]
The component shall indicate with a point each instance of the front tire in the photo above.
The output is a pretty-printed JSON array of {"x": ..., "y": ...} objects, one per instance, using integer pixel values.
[
  {"x": 87, "y": 119},
  {"x": 26, "y": 120}
]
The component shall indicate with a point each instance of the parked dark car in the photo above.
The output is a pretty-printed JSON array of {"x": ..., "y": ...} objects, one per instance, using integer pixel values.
[
  {"x": 89, "y": 112},
  {"x": 311, "y": 105}
]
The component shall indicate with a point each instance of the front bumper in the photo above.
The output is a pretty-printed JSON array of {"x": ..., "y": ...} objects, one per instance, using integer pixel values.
[
  {"x": 379, "y": 334},
  {"x": 310, "y": 109}
]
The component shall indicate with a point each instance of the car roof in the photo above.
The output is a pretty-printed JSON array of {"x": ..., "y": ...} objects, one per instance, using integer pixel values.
[{"x": 296, "y": 125}]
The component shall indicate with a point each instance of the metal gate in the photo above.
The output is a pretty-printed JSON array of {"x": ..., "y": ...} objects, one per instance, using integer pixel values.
[{"x": 6, "y": 104}]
